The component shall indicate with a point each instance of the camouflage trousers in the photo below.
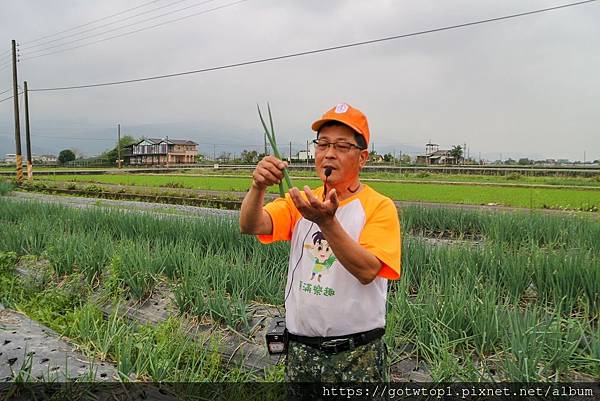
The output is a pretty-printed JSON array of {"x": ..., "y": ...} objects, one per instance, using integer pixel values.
[{"x": 367, "y": 363}]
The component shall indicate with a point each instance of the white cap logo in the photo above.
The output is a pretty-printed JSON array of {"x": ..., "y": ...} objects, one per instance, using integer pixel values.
[{"x": 341, "y": 108}]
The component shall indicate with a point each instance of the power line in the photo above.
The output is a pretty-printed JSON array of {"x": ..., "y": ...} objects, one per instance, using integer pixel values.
[
  {"x": 74, "y": 138},
  {"x": 137, "y": 30},
  {"x": 316, "y": 51},
  {"x": 91, "y": 22},
  {"x": 8, "y": 98},
  {"x": 112, "y": 23},
  {"x": 3, "y": 92},
  {"x": 63, "y": 138}
]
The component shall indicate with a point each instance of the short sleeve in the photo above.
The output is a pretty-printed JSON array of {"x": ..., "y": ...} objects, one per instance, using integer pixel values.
[
  {"x": 381, "y": 237},
  {"x": 283, "y": 216}
]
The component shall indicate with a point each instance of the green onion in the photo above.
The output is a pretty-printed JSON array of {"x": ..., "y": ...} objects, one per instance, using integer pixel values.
[{"x": 271, "y": 136}]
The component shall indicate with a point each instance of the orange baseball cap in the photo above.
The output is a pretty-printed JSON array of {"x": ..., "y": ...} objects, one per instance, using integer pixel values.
[{"x": 346, "y": 114}]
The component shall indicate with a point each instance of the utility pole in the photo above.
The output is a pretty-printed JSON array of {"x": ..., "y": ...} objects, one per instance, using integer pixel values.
[
  {"x": 290, "y": 151},
  {"x": 400, "y": 161},
  {"x": 215, "y": 152},
  {"x": 265, "y": 139},
  {"x": 18, "y": 157},
  {"x": 27, "y": 135},
  {"x": 167, "y": 151},
  {"x": 118, "y": 145},
  {"x": 307, "y": 153}
]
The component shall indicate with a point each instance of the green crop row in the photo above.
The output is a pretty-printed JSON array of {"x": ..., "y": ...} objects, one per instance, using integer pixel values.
[
  {"x": 5, "y": 187},
  {"x": 158, "y": 353},
  {"x": 539, "y": 311},
  {"x": 514, "y": 229},
  {"x": 213, "y": 269}
]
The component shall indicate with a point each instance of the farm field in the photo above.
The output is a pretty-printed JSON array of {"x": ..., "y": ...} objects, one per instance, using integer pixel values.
[
  {"x": 510, "y": 179},
  {"x": 512, "y": 296},
  {"x": 522, "y": 178},
  {"x": 546, "y": 198}
]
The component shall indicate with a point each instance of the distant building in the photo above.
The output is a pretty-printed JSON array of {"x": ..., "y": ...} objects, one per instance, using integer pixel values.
[
  {"x": 151, "y": 151},
  {"x": 433, "y": 155},
  {"x": 44, "y": 159},
  {"x": 307, "y": 153},
  {"x": 11, "y": 158},
  {"x": 375, "y": 158}
]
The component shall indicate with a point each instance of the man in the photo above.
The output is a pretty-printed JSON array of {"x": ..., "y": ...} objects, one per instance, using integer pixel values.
[{"x": 345, "y": 244}]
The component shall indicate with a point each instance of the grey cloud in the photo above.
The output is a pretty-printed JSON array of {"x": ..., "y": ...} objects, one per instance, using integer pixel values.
[{"x": 526, "y": 86}]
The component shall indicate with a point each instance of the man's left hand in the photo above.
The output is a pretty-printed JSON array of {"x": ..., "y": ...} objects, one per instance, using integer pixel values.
[{"x": 313, "y": 209}]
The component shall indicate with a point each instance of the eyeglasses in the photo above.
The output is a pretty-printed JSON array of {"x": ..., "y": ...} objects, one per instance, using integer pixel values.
[{"x": 322, "y": 145}]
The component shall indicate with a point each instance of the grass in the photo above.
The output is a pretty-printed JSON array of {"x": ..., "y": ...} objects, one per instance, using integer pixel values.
[
  {"x": 545, "y": 198},
  {"x": 521, "y": 306},
  {"x": 6, "y": 188}
]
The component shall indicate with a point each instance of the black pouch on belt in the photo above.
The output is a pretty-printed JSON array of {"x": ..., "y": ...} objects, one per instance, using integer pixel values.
[{"x": 276, "y": 336}]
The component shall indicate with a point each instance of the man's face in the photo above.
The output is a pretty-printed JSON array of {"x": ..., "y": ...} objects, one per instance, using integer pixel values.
[{"x": 345, "y": 167}]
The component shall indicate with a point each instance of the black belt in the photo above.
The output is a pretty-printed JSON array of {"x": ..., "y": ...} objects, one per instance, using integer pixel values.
[{"x": 337, "y": 344}]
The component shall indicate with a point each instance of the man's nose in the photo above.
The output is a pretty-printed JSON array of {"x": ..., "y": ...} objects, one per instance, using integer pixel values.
[{"x": 330, "y": 153}]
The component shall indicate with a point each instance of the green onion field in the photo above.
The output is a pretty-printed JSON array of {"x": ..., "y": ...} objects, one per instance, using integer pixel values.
[{"x": 482, "y": 296}]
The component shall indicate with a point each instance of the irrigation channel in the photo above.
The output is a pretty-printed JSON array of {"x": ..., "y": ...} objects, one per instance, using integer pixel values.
[{"x": 175, "y": 293}]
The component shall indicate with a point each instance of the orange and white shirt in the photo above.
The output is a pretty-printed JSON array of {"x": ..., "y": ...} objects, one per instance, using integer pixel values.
[{"x": 324, "y": 298}]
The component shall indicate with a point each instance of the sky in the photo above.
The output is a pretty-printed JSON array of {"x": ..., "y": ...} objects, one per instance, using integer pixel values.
[{"x": 522, "y": 87}]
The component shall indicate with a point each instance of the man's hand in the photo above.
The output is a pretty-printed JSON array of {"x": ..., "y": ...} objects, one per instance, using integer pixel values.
[
  {"x": 315, "y": 210},
  {"x": 268, "y": 171}
]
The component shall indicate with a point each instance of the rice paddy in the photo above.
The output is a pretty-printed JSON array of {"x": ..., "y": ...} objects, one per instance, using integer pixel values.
[
  {"x": 521, "y": 304},
  {"x": 533, "y": 197}
]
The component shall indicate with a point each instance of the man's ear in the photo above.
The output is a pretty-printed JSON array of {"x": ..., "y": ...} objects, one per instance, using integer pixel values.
[{"x": 363, "y": 158}]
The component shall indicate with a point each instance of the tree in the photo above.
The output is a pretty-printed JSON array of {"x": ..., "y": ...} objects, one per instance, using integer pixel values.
[
  {"x": 388, "y": 157},
  {"x": 405, "y": 159},
  {"x": 78, "y": 153},
  {"x": 249, "y": 156},
  {"x": 65, "y": 156},
  {"x": 457, "y": 153},
  {"x": 525, "y": 161},
  {"x": 224, "y": 156},
  {"x": 111, "y": 154}
]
